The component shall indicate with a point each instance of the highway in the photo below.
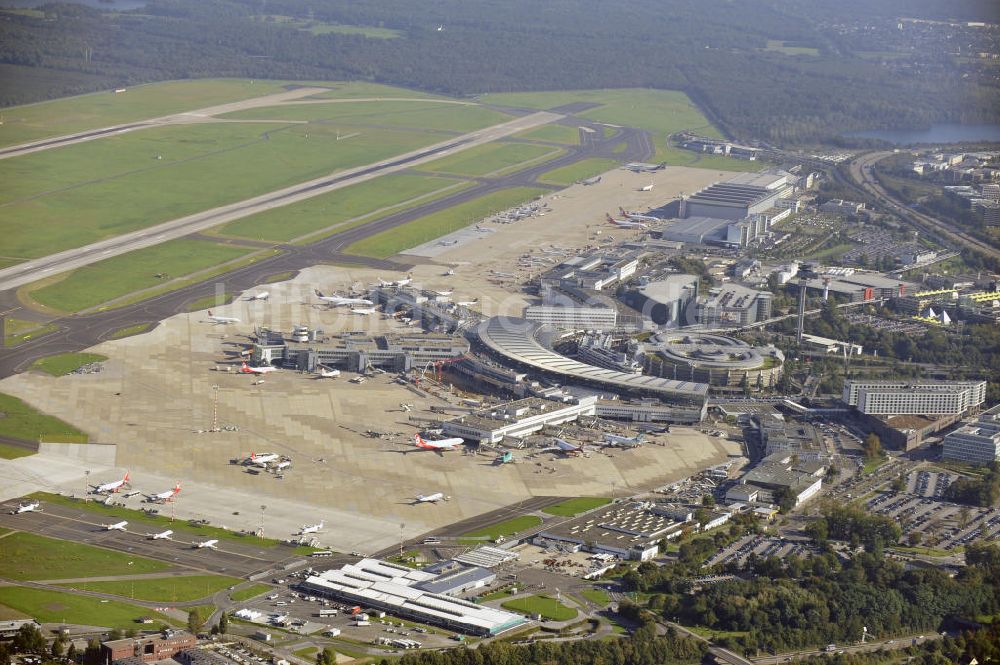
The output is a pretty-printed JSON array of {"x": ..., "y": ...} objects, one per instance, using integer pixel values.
[
  {"x": 861, "y": 173},
  {"x": 79, "y": 332},
  {"x": 25, "y": 273}
]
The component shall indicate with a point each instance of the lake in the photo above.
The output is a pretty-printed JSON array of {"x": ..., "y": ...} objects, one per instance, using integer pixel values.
[{"x": 945, "y": 132}]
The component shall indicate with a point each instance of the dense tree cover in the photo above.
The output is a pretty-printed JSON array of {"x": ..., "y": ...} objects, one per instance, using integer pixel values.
[
  {"x": 714, "y": 50},
  {"x": 856, "y": 526},
  {"x": 976, "y": 491},
  {"x": 643, "y": 647},
  {"x": 983, "y": 645},
  {"x": 816, "y": 601}
]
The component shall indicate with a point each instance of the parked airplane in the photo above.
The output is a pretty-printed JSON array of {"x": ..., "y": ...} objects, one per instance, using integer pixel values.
[
  {"x": 625, "y": 223},
  {"x": 120, "y": 526},
  {"x": 247, "y": 369},
  {"x": 637, "y": 217},
  {"x": 327, "y": 373},
  {"x": 164, "y": 496},
  {"x": 646, "y": 188},
  {"x": 163, "y": 535},
  {"x": 339, "y": 301},
  {"x": 429, "y": 498},
  {"x": 112, "y": 487},
  {"x": 444, "y": 294},
  {"x": 311, "y": 528},
  {"x": 262, "y": 459},
  {"x": 625, "y": 441},
  {"x": 438, "y": 445},
  {"x": 263, "y": 295},
  {"x": 210, "y": 544},
  {"x": 567, "y": 448},
  {"x": 468, "y": 303},
  {"x": 364, "y": 311},
  {"x": 221, "y": 320},
  {"x": 398, "y": 282},
  {"x": 29, "y": 507},
  {"x": 448, "y": 273}
]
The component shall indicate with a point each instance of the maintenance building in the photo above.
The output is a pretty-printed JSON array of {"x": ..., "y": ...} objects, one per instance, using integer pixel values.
[{"x": 738, "y": 197}]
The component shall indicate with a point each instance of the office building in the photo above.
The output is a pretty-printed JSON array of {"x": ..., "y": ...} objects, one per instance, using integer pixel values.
[
  {"x": 149, "y": 648},
  {"x": 573, "y": 317},
  {"x": 734, "y": 305},
  {"x": 931, "y": 398},
  {"x": 976, "y": 443}
]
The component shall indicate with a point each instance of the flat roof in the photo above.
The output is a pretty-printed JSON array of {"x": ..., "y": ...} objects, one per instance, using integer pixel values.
[{"x": 518, "y": 341}]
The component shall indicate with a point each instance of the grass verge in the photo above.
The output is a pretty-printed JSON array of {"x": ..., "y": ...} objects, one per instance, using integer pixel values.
[
  {"x": 66, "y": 363},
  {"x": 64, "y": 608},
  {"x": 585, "y": 168},
  {"x": 549, "y": 608},
  {"x": 251, "y": 591},
  {"x": 505, "y": 528},
  {"x": 173, "y": 589},
  {"x": 572, "y": 507},
  {"x": 21, "y": 421},
  {"x": 27, "y": 556},
  {"x": 137, "y": 329}
]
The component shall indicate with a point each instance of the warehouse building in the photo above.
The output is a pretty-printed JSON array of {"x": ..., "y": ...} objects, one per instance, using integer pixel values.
[
  {"x": 380, "y": 585},
  {"x": 356, "y": 351},
  {"x": 976, "y": 443},
  {"x": 742, "y": 195},
  {"x": 932, "y": 398}
]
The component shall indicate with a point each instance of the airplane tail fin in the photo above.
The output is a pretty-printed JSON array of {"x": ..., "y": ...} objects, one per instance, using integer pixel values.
[
  {"x": 210, "y": 313},
  {"x": 418, "y": 441},
  {"x": 126, "y": 477}
]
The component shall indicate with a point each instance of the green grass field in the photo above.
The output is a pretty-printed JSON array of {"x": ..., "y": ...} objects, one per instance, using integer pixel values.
[
  {"x": 305, "y": 217},
  {"x": 167, "y": 589},
  {"x": 251, "y": 591},
  {"x": 8, "y": 451},
  {"x": 59, "y": 199},
  {"x": 26, "y": 556},
  {"x": 22, "y": 421},
  {"x": 18, "y": 331},
  {"x": 143, "y": 522},
  {"x": 662, "y": 112},
  {"x": 325, "y": 28},
  {"x": 585, "y": 168},
  {"x": 596, "y": 596},
  {"x": 56, "y": 607},
  {"x": 506, "y": 528},
  {"x": 576, "y": 506},
  {"x": 128, "y": 331},
  {"x": 492, "y": 158},
  {"x": 207, "y": 302},
  {"x": 553, "y": 134},
  {"x": 433, "y": 226},
  {"x": 386, "y": 116},
  {"x": 66, "y": 363},
  {"x": 113, "y": 278},
  {"x": 549, "y": 608}
]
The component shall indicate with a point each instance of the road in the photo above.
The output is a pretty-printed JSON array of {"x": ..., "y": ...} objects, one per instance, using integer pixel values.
[
  {"x": 25, "y": 273},
  {"x": 861, "y": 173},
  {"x": 76, "y": 333}
]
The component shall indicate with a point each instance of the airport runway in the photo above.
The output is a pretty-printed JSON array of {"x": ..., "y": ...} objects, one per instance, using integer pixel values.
[
  {"x": 79, "y": 332},
  {"x": 237, "y": 559}
]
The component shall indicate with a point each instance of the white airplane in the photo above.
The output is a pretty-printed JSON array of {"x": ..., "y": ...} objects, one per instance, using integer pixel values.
[
  {"x": 637, "y": 217},
  {"x": 429, "y": 498},
  {"x": 339, "y": 301},
  {"x": 164, "y": 496},
  {"x": 327, "y": 373},
  {"x": 263, "y": 295},
  {"x": 364, "y": 311},
  {"x": 448, "y": 273},
  {"x": 626, "y": 223},
  {"x": 567, "y": 448},
  {"x": 468, "y": 303},
  {"x": 262, "y": 459},
  {"x": 625, "y": 441},
  {"x": 311, "y": 528},
  {"x": 398, "y": 282},
  {"x": 120, "y": 526},
  {"x": 210, "y": 544},
  {"x": 247, "y": 369},
  {"x": 438, "y": 445},
  {"x": 112, "y": 487},
  {"x": 646, "y": 188},
  {"x": 163, "y": 535},
  {"x": 29, "y": 507},
  {"x": 221, "y": 320},
  {"x": 444, "y": 294}
]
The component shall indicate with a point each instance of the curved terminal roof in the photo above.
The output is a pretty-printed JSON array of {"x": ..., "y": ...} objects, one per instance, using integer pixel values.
[
  {"x": 521, "y": 342},
  {"x": 708, "y": 350}
]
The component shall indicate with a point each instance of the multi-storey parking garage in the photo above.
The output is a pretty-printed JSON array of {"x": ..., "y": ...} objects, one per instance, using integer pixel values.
[
  {"x": 722, "y": 362},
  {"x": 526, "y": 344}
]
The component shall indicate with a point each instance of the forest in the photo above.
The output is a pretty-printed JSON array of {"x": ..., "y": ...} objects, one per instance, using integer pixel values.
[{"x": 728, "y": 57}]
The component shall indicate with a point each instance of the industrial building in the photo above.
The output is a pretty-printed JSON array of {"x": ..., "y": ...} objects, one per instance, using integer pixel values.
[
  {"x": 930, "y": 398},
  {"x": 665, "y": 301},
  {"x": 517, "y": 419},
  {"x": 734, "y": 305},
  {"x": 401, "y": 591},
  {"x": 976, "y": 443},
  {"x": 741, "y": 196},
  {"x": 149, "y": 648},
  {"x": 856, "y": 286},
  {"x": 356, "y": 351},
  {"x": 626, "y": 530},
  {"x": 591, "y": 271},
  {"x": 724, "y": 363},
  {"x": 527, "y": 345}
]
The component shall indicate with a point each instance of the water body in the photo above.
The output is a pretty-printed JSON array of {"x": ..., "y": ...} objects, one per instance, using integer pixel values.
[{"x": 945, "y": 132}]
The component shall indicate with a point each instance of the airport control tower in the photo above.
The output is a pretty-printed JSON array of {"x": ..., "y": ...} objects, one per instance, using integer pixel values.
[{"x": 806, "y": 272}]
